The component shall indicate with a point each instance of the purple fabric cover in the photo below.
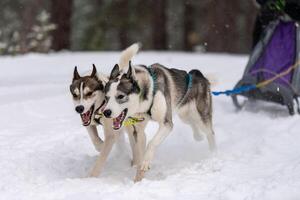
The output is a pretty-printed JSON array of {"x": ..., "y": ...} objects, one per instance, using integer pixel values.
[{"x": 278, "y": 55}]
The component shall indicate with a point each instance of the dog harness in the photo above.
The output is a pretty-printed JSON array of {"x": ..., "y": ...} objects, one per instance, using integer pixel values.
[
  {"x": 154, "y": 79},
  {"x": 189, "y": 83},
  {"x": 130, "y": 121}
]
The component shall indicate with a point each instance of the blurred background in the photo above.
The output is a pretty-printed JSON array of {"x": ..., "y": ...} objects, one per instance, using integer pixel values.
[{"x": 78, "y": 25}]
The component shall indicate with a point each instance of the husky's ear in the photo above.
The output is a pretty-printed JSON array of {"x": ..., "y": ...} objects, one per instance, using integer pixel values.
[
  {"x": 131, "y": 72},
  {"x": 115, "y": 72},
  {"x": 76, "y": 75},
  {"x": 94, "y": 72}
]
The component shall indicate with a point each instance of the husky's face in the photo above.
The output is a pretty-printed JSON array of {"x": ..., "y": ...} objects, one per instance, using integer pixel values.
[
  {"x": 122, "y": 96},
  {"x": 88, "y": 95}
]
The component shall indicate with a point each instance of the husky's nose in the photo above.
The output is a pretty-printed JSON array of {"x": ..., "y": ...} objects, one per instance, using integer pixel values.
[
  {"x": 79, "y": 109},
  {"x": 107, "y": 113}
]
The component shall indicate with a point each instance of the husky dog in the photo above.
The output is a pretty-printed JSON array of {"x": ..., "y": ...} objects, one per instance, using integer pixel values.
[
  {"x": 157, "y": 92},
  {"x": 89, "y": 99}
]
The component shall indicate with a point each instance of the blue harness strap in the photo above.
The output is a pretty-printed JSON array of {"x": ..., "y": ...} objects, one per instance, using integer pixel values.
[
  {"x": 238, "y": 90},
  {"x": 189, "y": 81},
  {"x": 189, "y": 84},
  {"x": 154, "y": 78}
]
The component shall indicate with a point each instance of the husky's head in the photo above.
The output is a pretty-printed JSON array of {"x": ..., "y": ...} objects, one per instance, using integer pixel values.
[
  {"x": 122, "y": 96},
  {"x": 88, "y": 95}
]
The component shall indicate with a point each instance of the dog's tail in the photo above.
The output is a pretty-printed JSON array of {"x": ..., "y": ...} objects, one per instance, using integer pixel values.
[
  {"x": 127, "y": 55},
  {"x": 212, "y": 79}
]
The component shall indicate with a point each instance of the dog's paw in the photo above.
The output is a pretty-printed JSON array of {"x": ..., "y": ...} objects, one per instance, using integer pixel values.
[
  {"x": 93, "y": 174},
  {"x": 139, "y": 175},
  {"x": 145, "y": 166},
  {"x": 198, "y": 136}
]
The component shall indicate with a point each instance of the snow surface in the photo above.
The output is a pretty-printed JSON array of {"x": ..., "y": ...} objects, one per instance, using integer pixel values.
[{"x": 45, "y": 153}]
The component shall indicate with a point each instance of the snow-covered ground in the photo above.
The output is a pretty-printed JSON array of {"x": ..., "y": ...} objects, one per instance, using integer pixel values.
[{"x": 45, "y": 153}]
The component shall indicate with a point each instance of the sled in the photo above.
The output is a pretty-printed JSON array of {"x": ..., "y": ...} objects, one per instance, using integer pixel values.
[{"x": 277, "y": 50}]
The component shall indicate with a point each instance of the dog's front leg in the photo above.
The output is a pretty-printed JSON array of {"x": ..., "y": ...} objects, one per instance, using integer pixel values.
[
  {"x": 107, "y": 146},
  {"x": 137, "y": 139},
  {"x": 97, "y": 141},
  {"x": 162, "y": 133}
]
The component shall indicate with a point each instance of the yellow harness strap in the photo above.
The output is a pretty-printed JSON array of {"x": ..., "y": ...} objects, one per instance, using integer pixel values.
[{"x": 130, "y": 121}]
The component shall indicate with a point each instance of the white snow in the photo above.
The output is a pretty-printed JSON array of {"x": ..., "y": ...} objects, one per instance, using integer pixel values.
[{"x": 45, "y": 153}]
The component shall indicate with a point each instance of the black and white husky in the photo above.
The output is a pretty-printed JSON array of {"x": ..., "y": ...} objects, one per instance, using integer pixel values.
[
  {"x": 157, "y": 92},
  {"x": 89, "y": 100}
]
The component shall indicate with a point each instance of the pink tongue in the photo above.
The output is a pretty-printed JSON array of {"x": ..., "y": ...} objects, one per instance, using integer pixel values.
[
  {"x": 86, "y": 117},
  {"x": 117, "y": 121}
]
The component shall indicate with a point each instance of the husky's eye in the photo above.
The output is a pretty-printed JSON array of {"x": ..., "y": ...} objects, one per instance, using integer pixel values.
[
  {"x": 120, "y": 96},
  {"x": 74, "y": 95},
  {"x": 89, "y": 94}
]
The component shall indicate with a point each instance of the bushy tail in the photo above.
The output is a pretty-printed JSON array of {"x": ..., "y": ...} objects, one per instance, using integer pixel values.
[
  {"x": 212, "y": 79},
  {"x": 127, "y": 55}
]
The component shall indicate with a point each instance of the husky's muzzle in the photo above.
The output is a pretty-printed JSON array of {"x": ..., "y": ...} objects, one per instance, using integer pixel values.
[
  {"x": 87, "y": 116},
  {"x": 118, "y": 121}
]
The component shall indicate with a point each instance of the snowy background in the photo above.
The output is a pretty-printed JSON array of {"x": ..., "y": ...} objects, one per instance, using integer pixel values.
[{"x": 45, "y": 153}]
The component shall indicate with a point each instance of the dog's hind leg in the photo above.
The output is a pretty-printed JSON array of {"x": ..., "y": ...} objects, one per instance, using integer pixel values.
[
  {"x": 97, "y": 141},
  {"x": 199, "y": 107},
  {"x": 203, "y": 105},
  {"x": 188, "y": 116},
  {"x": 206, "y": 127}
]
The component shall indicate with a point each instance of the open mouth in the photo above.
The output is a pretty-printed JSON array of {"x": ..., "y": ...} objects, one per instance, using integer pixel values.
[
  {"x": 118, "y": 121},
  {"x": 87, "y": 116}
]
